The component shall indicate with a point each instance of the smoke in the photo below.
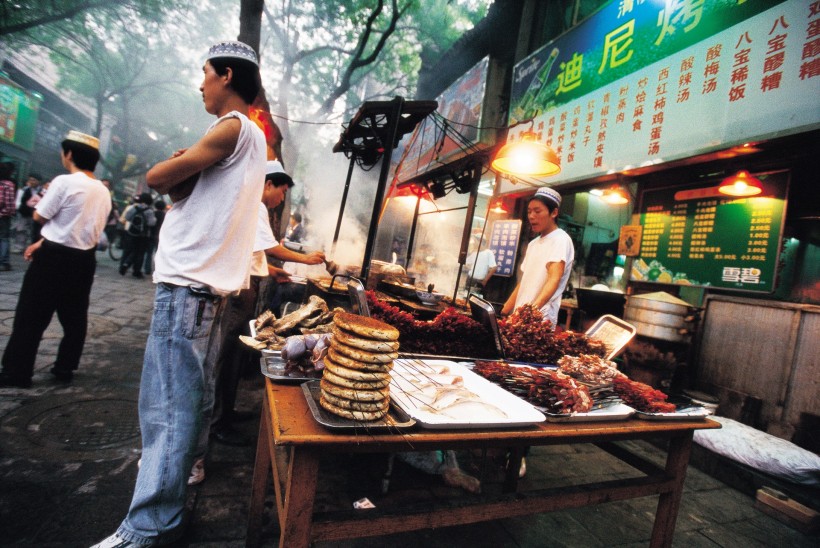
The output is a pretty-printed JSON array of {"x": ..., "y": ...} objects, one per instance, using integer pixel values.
[
  {"x": 322, "y": 177},
  {"x": 437, "y": 241}
]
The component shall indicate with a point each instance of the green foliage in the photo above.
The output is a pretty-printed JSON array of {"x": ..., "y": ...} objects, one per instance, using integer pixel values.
[
  {"x": 24, "y": 15},
  {"x": 113, "y": 57}
]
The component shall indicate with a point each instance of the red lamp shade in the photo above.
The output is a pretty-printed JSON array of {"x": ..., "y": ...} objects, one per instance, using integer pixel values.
[
  {"x": 615, "y": 196},
  {"x": 741, "y": 183}
]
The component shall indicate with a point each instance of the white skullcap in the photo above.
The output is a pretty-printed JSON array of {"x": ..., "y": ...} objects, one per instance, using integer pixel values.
[
  {"x": 237, "y": 50},
  {"x": 549, "y": 194}
]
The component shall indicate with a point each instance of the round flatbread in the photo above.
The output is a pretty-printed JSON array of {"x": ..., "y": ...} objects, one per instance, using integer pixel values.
[
  {"x": 369, "y": 328},
  {"x": 363, "y": 355},
  {"x": 355, "y": 374},
  {"x": 370, "y": 345},
  {"x": 364, "y": 416},
  {"x": 353, "y": 394},
  {"x": 351, "y": 363},
  {"x": 350, "y": 383},
  {"x": 356, "y": 405}
]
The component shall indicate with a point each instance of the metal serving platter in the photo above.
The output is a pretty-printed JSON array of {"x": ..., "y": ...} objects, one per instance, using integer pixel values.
[
  {"x": 264, "y": 352},
  {"x": 684, "y": 415},
  {"x": 613, "y": 332},
  {"x": 396, "y": 419},
  {"x": 612, "y": 412},
  {"x": 273, "y": 367}
]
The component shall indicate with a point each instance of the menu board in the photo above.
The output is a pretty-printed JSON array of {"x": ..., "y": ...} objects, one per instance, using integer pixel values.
[
  {"x": 504, "y": 244},
  {"x": 693, "y": 235}
]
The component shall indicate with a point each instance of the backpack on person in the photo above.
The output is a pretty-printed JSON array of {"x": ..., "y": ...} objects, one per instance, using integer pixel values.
[{"x": 138, "y": 226}]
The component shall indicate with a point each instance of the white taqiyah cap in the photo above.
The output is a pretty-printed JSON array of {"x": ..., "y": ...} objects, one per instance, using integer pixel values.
[
  {"x": 549, "y": 194},
  {"x": 274, "y": 166},
  {"x": 238, "y": 50},
  {"x": 79, "y": 137}
]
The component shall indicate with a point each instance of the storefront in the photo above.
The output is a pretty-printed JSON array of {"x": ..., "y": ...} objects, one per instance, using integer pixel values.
[
  {"x": 668, "y": 104},
  {"x": 19, "y": 109},
  {"x": 650, "y": 110}
]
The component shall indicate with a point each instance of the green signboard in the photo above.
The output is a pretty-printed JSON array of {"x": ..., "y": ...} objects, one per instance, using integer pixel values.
[
  {"x": 639, "y": 84},
  {"x": 18, "y": 114},
  {"x": 621, "y": 38},
  {"x": 693, "y": 235}
]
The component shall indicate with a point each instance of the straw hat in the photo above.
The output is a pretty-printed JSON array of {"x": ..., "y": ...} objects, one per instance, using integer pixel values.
[{"x": 83, "y": 138}]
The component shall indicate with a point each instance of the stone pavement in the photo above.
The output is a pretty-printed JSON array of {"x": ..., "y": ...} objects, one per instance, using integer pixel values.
[{"x": 68, "y": 461}]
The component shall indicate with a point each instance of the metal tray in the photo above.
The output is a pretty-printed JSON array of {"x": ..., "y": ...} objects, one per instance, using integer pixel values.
[
  {"x": 613, "y": 332},
  {"x": 484, "y": 313},
  {"x": 265, "y": 352},
  {"x": 273, "y": 367},
  {"x": 613, "y": 412},
  {"x": 396, "y": 419},
  {"x": 688, "y": 413}
]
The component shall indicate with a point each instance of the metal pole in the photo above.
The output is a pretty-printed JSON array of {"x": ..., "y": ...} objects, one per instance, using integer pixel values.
[
  {"x": 342, "y": 205},
  {"x": 392, "y": 131},
  {"x": 412, "y": 232},
  {"x": 468, "y": 223}
]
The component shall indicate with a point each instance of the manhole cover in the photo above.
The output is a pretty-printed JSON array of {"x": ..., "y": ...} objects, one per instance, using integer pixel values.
[{"x": 86, "y": 425}]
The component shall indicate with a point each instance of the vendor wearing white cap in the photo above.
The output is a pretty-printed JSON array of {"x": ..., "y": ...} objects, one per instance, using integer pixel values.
[
  {"x": 548, "y": 262},
  {"x": 73, "y": 213}
]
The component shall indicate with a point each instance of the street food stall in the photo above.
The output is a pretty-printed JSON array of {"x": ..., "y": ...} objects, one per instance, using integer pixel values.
[{"x": 409, "y": 403}]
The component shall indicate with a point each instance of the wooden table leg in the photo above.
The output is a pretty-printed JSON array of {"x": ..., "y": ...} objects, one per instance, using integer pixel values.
[
  {"x": 669, "y": 503},
  {"x": 300, "y": 493},
  {"x": 261, "y": 472}
]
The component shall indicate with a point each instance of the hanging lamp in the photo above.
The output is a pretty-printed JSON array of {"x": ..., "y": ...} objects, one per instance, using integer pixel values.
[
  {"x": 526, "y": 157},
  {"x": 615, "y": 195},
  {"x": 741, "y": 183},
  {"x": 499, "y": 208}
]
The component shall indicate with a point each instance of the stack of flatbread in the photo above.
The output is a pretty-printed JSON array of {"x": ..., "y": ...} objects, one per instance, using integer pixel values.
[{"x": 356, "y": 378}]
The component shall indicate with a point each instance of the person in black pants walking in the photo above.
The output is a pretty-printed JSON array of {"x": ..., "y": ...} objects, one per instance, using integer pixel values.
[
  {"x": 138, "y": 222},
  {"x": 73, "y": 214}
]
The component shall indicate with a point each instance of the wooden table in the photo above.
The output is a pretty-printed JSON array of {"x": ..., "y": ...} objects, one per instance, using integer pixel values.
[{"x": 288, "y": 423}]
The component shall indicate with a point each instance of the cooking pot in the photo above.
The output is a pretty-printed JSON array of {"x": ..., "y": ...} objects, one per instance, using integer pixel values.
[{"x": 661, "y": 316}]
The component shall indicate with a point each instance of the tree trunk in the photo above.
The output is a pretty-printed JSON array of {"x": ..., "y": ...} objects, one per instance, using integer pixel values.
[
  {"x": 250, "y": 23},
  {"x": 250, "y": 32}
]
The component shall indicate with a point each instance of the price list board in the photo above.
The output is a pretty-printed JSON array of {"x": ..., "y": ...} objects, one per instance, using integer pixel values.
[
  {"x": 698, "y": 236},
  {"x": 504, "y": 244}
]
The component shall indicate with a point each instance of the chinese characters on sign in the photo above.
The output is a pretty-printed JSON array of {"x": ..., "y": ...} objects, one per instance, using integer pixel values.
[
  {"x": 697, "y": 236},
  {"x": 641, "y": 83},
  {"x": 504, "y": 244}
]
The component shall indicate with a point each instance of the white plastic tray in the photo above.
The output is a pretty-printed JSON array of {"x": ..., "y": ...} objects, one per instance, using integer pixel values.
[
  {"x": 404, "y": 392},
  {"x": 613, "y": 332}
]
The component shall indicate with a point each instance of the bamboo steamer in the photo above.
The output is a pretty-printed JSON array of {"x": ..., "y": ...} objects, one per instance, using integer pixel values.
[{"x": 661, "y": 316}]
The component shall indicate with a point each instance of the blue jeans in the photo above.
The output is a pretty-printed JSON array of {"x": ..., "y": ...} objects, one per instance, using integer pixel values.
[
  {"x": 5, "y": 239},
  {"x": 175, "y": 406}
]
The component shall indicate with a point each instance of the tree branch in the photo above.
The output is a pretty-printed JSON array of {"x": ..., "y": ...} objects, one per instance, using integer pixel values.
[{"x": 59, "y": 16}]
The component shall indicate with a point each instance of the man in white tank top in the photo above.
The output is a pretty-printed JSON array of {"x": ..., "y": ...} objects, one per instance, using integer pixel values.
[{"x": 204, "y": 251}]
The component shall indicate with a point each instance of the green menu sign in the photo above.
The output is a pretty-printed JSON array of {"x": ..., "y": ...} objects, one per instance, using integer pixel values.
[
  {"x": 696, "y": 236},
  {"x": 18, "y": 114}
]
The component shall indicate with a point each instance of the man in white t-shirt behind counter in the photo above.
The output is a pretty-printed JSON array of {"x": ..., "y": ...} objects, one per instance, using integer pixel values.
[
  {"x": 547, "y": 265},
  {"x": 73, "y": 214}
]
